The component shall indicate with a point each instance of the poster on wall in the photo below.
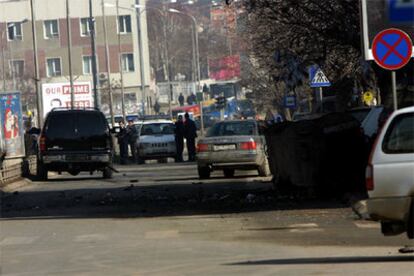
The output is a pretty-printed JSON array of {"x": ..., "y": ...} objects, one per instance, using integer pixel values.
[
  {"x": 58, "y": 95},
  {"x": 11, "y": 118}
]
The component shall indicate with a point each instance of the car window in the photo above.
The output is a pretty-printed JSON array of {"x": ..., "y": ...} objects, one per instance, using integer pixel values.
[
  {"x": 90, "y": 124},
  {"x": 232, "y": 129},
  {"x": 60, "y": 125},
  {"x": 157, "y": 129},
  {"x": 400, "y": 135}
]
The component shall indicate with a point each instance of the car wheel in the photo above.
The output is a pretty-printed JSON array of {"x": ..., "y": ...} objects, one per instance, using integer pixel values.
[
  {"x": 41, "y": 171},
  {"x": 264, "y": 169},
  {"x": 107, "y": 173},
  {"x": 410, "y": 226},
  {"x": 204, "y": 172},
  {"x": 228, "y": 172}
]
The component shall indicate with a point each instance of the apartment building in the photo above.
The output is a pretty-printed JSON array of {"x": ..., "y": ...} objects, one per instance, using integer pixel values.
[{"x": 17, "y": 56}]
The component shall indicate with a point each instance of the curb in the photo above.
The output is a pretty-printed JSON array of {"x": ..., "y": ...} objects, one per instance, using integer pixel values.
[{"x": 12, "y": 186}]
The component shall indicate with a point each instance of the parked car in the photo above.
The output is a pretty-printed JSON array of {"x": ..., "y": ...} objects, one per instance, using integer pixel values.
[
  {"x": 230, "y": 146},
  {"x": 156, "y": 141},
  {"x": 390, "y": 175},
  {"x": 73, "y": 141}
]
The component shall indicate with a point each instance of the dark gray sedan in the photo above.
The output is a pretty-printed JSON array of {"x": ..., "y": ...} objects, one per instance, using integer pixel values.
[{"x": 230, "y": 146}]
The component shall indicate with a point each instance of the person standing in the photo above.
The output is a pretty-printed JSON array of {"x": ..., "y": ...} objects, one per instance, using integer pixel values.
[
  {"x": 132, "y": 136},
  {"x": 179, "y": 138},
  {"x": 181, "y": 99},
  {"x": 190, "y": 100},
  {"x": 123, "y": 143},
  {"x": 157, "y": 107},
  {"x": 190, "y": 134}
]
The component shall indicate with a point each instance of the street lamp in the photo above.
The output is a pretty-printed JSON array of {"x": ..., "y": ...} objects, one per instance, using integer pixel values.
[
  {"x": 121, "y": 71},
  {"x": 108, "y": 68},
  {"x": 36, "y": 67},
  {"x": 196, "y": 57}
]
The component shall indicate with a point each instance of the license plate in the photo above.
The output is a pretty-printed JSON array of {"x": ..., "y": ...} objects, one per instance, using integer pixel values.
[{"x": 224, "y": 147}]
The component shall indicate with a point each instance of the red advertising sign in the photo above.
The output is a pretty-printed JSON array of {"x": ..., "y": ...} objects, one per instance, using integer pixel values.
[{"x": 225, "y": 68}]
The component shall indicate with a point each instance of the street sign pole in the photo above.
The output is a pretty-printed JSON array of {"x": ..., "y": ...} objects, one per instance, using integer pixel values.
[
  {"x": 321, "y": 97},
  {"x": 394, "y": 89}
]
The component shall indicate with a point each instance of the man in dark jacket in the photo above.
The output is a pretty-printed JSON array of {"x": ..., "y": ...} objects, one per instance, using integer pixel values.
[
  {"x": 181, "y": 99},
  {"x": 123, "y": 143},
  {"x": 179, "y": 138},
  {"x": 132, "y": 134},
  {"x": 190, "y": 134}
]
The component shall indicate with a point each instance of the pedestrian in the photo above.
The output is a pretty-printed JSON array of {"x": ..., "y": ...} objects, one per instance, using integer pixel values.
[
  {"x": 123, "y": 143},
  {"x": 132, "y": 136},
  {"x": 179, "y": 138},
  {"x": 190, "y": 100},
  {"x": 193, "y": 98},
  {"x": 181, "y": 99},
  {"x": 157, "y": 107},
  {"x": 190, "y": 134}
]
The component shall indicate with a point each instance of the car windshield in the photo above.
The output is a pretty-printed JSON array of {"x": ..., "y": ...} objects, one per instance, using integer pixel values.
[
  {"x": 67, "y": 125},
  {"x": 232, "y": 129},
  {"x": 157, "y": 129}
]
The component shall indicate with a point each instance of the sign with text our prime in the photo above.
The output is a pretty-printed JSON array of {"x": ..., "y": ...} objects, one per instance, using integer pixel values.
[{"x": 59, "y": 95}]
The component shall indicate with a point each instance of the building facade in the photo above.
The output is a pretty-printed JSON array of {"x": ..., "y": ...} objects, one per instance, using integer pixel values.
[{"x": 51, "y": 27}]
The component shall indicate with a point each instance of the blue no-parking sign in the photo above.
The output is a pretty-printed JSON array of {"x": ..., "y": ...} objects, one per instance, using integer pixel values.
[{"x": 392, "y": 49}]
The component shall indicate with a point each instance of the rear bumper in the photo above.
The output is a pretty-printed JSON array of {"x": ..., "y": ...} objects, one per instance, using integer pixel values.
[
  {"x": 231, "y": 159},
  {"x": 389, "y": 209}
]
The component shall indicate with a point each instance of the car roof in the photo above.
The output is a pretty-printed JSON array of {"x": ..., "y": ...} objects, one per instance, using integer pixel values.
[
  {"x": 405, "y": 110},
  {"x": 156, "y": 122}
]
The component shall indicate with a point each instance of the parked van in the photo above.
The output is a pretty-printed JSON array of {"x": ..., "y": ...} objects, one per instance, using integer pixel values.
[{"x": 390, "y": 175}]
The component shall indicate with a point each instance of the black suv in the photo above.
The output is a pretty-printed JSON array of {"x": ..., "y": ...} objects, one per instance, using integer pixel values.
[{"x": 75, "y": 140}]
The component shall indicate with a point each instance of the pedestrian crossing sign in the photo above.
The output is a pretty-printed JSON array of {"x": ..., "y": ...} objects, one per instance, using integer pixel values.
[{"x": 317, "y": 77}]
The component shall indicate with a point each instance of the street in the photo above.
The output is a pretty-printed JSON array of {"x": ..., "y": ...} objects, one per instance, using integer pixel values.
[{"x": 160, "y": 219}]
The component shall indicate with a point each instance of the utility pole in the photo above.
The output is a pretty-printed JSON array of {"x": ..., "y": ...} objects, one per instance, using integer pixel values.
[
  {"x": 141, "y": 56},
  {"x": 36, "y": 68},
  {"x": 96, "y": 96},
  {"x": 108, "y": 68},
  {"x": 3, "y": 60},
  {"x": 167, "y": 63},
  {"x": 69, "y": 30},
  {"x": 121, "y": 71}
]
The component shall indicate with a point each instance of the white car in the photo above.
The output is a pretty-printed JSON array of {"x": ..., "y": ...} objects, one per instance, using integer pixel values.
[
  {"x": 156, "y": 141},
  {"x": 390, "y": 175}
]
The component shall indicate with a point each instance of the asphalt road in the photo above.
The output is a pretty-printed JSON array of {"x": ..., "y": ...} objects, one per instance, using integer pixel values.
[{"x": 160, "y": 219}]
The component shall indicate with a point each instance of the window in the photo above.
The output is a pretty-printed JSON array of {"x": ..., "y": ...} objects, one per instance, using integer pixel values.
[
  {"x": 85, "y": 26},
  {"x": 14, "y": 31},
  {"x": 51, "y": 29},
  {"x": 232, "y": 129},
  {"x": 124, "y": 24},
  {"x": 17, "y": 68},
  {"x": 53, "y": 67},
  {"x": 87, "y": 65},
  {"x": 128, "y": 63},
  {"x": 400, "y": 135}
]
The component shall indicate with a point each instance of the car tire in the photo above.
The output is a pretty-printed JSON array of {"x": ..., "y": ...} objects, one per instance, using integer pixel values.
[
  {"x": 41, "y": 171},
  {"x": 204, "y": 172},
  {"x": 228, "y": 173},
  {"x": 264, "y": 169},
  {"x": 107, "y": 173},
  {"x": 410, "y": 223}
]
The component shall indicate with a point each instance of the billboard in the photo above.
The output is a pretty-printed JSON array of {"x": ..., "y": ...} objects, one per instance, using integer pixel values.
[
  {"x": 378, "y": 15},
  {"x": 225, "y": 68},
  {"x": 11, "y": 119},
  {"x": 59, "y": 95}
]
